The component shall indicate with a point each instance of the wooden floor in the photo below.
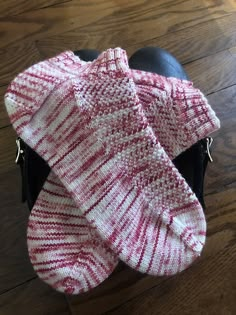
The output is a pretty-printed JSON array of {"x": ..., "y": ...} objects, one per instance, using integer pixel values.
[{"x": 202, "y": 34}]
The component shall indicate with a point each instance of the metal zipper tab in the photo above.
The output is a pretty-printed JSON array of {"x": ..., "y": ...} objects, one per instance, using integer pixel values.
[
  {"x": 19, "y": 152},
  {"x": 208, "y": 144}
]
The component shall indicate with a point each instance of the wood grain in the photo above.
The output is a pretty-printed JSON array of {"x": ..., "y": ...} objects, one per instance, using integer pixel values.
[
  {"x": 35, "y": 298},
  {"x": 121, "y": 286},
  {"x": 193, "y": 42},
  {"x": 187, "y": 44},
  {"x": 52, "y": 20},
  {"x": 16, "y": 59},
  {"x": 213, "y": 73},
  {"x": 8, "y": 149},
  {"x": 4, "y": 120},
  {"x": 15, "y": 267},
  {"x": 204, "y": 291},
  {"x": 12, "y": 7},
  {"x": 222, "y": 173},
  {"x": 102, "y": 24}
]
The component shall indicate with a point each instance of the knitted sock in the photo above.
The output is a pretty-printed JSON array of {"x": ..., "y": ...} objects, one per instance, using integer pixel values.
[
  {"x": 64, "y": 249},
  {"x": 110, "y": 161},
  {"x": 178, "y": 113}
]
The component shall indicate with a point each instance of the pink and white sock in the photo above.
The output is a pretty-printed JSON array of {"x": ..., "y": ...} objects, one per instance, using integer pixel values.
[
  {"x": 109, "y": 160},
  {"x": 178, "y": 113},
  {"x": 65, "y": 251}
]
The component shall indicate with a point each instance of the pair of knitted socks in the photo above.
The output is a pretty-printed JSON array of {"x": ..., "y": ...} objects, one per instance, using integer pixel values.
[{"x": 109, "y": 135}]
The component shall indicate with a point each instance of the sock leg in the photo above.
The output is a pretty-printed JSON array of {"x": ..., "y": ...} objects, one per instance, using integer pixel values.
[
  {"x": 64, "y": 250},
  {"x": 165, "y": 122}
]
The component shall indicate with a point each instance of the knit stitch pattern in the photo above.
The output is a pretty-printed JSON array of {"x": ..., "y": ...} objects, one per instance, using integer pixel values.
[
  {"x": 179, "y": 114},
  {"x": 66, "y": 252}
]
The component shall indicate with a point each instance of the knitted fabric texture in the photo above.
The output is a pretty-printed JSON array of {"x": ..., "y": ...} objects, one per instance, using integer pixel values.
[
  {"x": 115, "y": 180},
  {"x": 65, "y": 251},
  {"x": 178, "y": 113}
]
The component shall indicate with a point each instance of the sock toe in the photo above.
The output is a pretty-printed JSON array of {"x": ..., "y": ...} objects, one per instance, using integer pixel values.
[
  {"x": 65, "y": 250},
  {"x": 177, "y": 241}
]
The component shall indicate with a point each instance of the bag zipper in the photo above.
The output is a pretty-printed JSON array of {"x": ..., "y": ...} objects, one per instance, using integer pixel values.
[
  {"x": 20, "y": 153},
  {"x": 20, "y": 160},
  {"x": 209, "y": 141}
]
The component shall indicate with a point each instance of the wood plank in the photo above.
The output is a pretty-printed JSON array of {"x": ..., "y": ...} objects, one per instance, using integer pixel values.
[
  {"x": 16, "y": 59},
  {"x": 121, "y": 286},
  {"x": 222, "y": 173},
  {"x": 12, "y": 7},
  {"x": 208, "y": 288},
  {"x": 33, "y": 297},
  {"x": 28, "y": 54},
  {"x": 8, "y": 149},
  {"x": 4, "y": 120},
  {"x": 52, "y": 20},
  {"x": 123, "y": 23},
  {"x": 213, "y": 73},
  {"x": 15, "y": 267},
  {"x": 193, "y": 42},
  {"x": 186, "y": 44}
]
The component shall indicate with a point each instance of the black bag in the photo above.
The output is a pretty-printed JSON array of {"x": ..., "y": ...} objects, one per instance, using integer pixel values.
[{"x": 34, "y": 170}]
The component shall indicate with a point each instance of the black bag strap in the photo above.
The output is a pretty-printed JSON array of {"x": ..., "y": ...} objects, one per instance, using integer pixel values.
[{"x": 34, "y": 171}]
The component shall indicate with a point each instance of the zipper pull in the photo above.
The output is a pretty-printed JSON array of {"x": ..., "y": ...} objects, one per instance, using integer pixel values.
[
  {"x": 209, "y": 141},
  {"x": 20, "y": 160},
  {"x": 19, "y": 152}
]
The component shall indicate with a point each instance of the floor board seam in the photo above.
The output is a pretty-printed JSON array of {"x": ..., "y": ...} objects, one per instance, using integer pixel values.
[{"x": 13, "y": 288}]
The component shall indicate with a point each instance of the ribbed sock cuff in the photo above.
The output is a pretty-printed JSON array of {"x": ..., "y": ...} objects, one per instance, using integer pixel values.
[{"x": 195, "y": 117}]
